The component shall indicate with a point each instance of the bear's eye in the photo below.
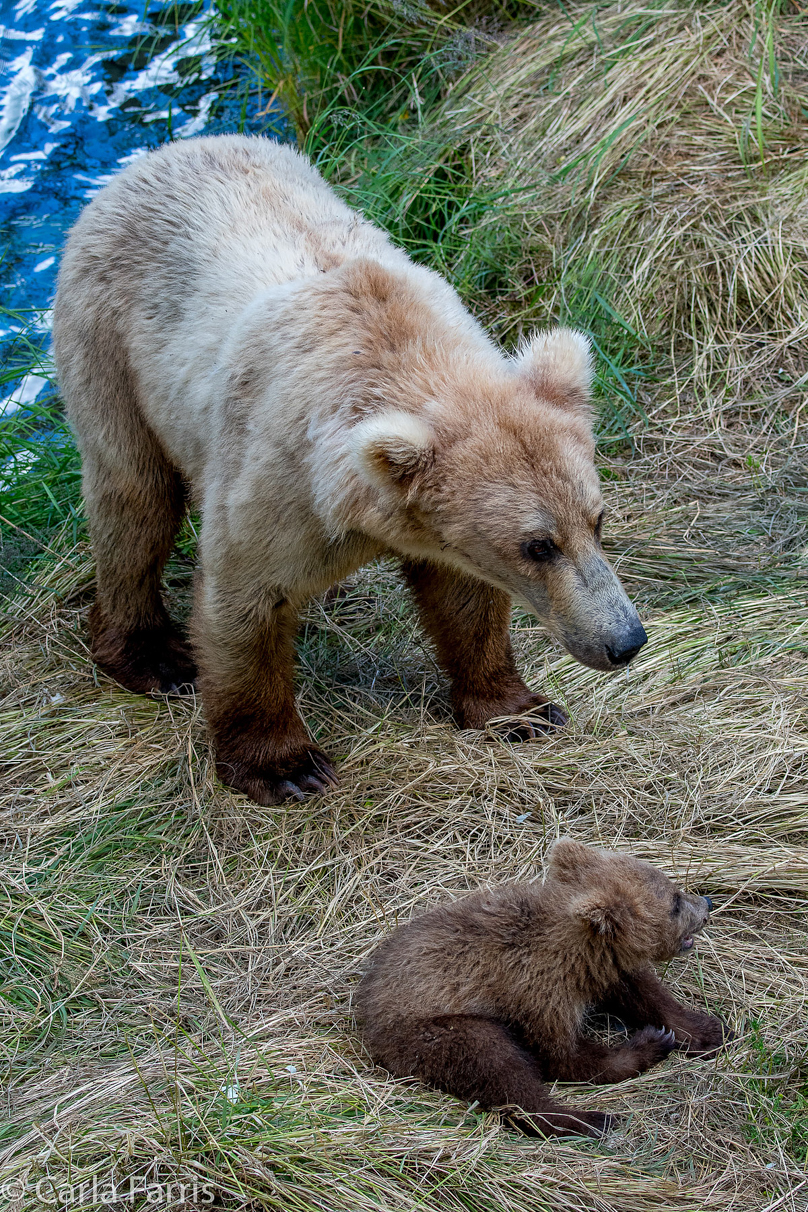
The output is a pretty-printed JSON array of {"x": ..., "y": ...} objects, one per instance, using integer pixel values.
[
  {"x": 677, "y": 904},
  {"x": 539, "y": 550}
]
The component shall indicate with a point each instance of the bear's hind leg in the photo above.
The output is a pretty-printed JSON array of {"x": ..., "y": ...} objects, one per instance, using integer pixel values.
[
  {"x": 134, "y": 512},
  {"x": 134, "y": 495},
  {"x": 477, "y": 1059},
  {"x": 468, "y": 622},
  {"x": 245, "y": 647}
]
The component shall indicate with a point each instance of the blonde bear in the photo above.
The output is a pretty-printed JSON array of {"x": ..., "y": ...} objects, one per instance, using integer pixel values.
[{"x": 228, "y": 331}]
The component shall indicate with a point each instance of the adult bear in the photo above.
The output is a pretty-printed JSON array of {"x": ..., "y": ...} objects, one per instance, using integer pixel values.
[{"x": 226, "y": 326}]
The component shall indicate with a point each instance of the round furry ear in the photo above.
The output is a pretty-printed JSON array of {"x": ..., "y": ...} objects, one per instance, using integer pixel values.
[
  {"x": 571, "y": 861},
  {"x": 603, "y": 917},
  {"x": 393, "y": 447},
  {"x": 558, "y": 365}
]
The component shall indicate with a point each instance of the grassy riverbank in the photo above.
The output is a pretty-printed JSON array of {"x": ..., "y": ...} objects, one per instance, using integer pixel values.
[{"x": 177, "y": 964}]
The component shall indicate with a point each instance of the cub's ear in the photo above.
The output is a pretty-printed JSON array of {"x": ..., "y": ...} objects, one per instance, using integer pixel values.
[
  {"x": 392, "y": 447},
  {"x": 558, "y": 365},
  {"x": 603, "y": 914},
  {"x": 572, "y": 862}
]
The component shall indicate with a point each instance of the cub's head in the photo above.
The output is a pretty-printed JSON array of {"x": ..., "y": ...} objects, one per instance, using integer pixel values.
[
  {"x": 627, "y": 906},
  {"x": 496, "y": 477}
]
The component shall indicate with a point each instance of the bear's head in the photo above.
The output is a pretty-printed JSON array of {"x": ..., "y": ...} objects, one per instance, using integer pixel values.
[
  {"x": 495, "y": 476},
  {"x": 624, "y": 905}
]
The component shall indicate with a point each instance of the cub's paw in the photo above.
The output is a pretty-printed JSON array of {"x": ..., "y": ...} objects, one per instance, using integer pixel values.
[
  {"x": 565, "y": 1123},
  {"x": 149, "y": 660},
  {"x": 652, "y": 1045},
  {"x": 309, "y": 772},
  {"x": 704, "y": 1036}
]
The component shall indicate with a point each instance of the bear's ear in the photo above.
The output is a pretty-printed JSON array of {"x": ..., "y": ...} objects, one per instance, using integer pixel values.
[
  {"x": 572, "y": 862},
  {"x": 392, "y": 447},
  {"x": 558, "y": 365},
  {"x": 604, "y": 915}
]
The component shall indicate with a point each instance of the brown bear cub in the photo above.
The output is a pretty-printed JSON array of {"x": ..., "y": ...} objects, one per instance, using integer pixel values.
[{"x": 486, "y": 998}]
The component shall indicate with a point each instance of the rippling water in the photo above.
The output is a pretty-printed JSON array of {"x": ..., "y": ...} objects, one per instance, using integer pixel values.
[{"x": 84, "y": 89}]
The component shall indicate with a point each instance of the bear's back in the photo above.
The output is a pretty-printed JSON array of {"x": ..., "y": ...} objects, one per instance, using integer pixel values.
[
  {"x": 224, "y": 216},
  {"x": 455, "y": 959}
]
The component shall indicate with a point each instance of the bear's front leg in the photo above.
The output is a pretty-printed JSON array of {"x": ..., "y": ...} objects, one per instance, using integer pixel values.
[
  {"x": 468, "y": 623},
  {"x": 641, "y": 1000},
  {"x": 590, "y": 1061},
  {"x": 245, "y": 649}
]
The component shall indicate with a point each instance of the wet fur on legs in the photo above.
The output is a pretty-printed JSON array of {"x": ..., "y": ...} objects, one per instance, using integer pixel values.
[
  {"x": 468, "y": 622},
  {"x": 134, "y": 513},
  {"x": 246, "y": 657},
  {"x": 151, "y": 659}
]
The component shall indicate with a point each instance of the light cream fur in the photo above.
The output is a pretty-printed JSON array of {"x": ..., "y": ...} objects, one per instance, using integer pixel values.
[
  {"x": 559, "y": 365},
  {"x": 221, "y": 313}
]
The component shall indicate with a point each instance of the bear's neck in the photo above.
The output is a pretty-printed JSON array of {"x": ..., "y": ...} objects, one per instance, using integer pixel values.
[{"x": 589, "y": 965}]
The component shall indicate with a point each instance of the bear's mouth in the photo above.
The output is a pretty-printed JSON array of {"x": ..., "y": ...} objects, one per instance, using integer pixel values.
[{"x": 687, "y": 943}]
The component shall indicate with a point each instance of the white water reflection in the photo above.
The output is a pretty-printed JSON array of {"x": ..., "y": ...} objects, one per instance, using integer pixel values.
[{"x": 84, "y": 90}]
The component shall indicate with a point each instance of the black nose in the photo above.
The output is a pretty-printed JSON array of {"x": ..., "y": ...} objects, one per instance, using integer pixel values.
[
  {"x": 624, "y": 652},
  {"x": 709, "y": 903}
]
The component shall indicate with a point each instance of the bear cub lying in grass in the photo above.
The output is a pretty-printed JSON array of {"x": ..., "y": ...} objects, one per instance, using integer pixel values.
[{"x": 486, "y": 998}]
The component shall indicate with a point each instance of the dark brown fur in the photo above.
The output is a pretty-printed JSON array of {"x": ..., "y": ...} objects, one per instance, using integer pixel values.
[
  {"x": 246, "y": 670},
  {"x": 468, "y": 622},
  {"x": 134, "y": 510},
  {"x": 486, "y": 998}
]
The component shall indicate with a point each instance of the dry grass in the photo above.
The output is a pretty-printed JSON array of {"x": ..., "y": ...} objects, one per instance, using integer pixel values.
[
  {"x": 666, "y": 144},
  {"x": 178, "y": 963},
  {"x": 173, "y": 950}
]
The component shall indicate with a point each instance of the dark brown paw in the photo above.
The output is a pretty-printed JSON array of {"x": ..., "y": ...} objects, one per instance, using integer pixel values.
[
  {"x": 518, "y": 716},
  {"x": 651, "y": 1045},
  {"x": 539, "y": 721},
  {"x": 706, "y": 1035},
  {"x": 307, "y": 773},
  {"x": 145, "y": 660},
  {"x": 564, "y": 1123}
]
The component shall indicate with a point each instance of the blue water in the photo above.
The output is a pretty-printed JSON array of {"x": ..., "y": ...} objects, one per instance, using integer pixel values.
[{"x": 85, "y": 88}]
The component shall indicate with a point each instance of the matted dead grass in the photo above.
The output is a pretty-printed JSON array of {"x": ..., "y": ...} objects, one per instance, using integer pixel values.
[
  {"x": 177, "y": 963},
  {"x": 654, "y": 153},
  {"x": 180, "y": 962}
]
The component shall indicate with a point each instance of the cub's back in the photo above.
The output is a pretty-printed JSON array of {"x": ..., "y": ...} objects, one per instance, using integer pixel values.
[{"x": 452, "y": 960}]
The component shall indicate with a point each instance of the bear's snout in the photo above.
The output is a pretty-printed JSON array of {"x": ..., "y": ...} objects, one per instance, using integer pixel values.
[
  {"x": 695, "y": 913},
  {"x": 591, "y": 614},
  {"x": 628, "y": 646}
]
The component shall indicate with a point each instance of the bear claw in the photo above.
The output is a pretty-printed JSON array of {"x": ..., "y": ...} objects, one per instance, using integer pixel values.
[
  {"x": 149, "y": 660},
  {"x": 537, "y": 722},
  {"x": 653, "y": 1043},
  {"x": 312, "y": 774}
]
